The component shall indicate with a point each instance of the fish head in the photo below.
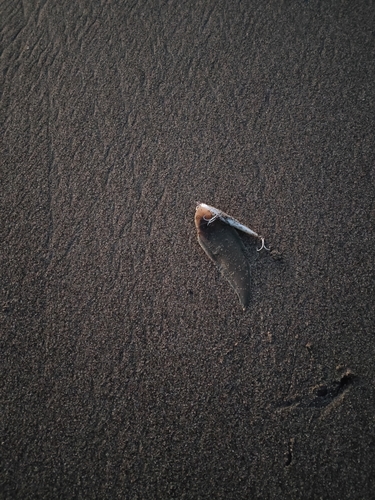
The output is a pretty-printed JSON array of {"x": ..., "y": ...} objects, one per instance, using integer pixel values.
[{"x": 203, "y": 213}]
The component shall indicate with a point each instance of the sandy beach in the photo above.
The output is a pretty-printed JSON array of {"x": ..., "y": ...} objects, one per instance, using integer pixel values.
[{"x": 128, "y": 367}]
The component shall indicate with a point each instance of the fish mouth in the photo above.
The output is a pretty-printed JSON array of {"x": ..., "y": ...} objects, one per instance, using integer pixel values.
[{"x": 202, "y": 215}]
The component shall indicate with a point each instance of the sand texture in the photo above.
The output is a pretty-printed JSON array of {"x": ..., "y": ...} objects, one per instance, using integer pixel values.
[{"x": 128, "y": 368}]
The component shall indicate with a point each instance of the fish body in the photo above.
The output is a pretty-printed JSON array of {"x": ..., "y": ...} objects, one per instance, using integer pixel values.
[
  {"x": 220, "y": 240},
  {"x": 202, "y": 208}
]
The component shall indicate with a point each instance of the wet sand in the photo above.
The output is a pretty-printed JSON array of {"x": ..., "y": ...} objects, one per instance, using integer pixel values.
[{"x": 129, "y": 369}]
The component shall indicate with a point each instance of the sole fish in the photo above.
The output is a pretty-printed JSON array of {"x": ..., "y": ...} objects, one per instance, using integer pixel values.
[
  {"x": 221, "y": 242},
  {"x": 218, "y": 236}
]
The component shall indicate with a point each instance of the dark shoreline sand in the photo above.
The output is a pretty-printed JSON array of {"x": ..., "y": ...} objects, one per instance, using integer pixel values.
[{"x": 128, "y": 367}]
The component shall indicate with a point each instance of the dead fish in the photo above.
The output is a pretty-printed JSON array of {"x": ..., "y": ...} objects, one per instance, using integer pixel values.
[{"x": 218, "y": 237}]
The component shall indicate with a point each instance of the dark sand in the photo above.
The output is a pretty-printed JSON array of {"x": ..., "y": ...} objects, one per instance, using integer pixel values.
[{"x": 128, "y": 369}]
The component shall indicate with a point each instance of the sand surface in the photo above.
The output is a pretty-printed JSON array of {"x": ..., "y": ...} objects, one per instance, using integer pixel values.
[{"x": 128, "y": 368}]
